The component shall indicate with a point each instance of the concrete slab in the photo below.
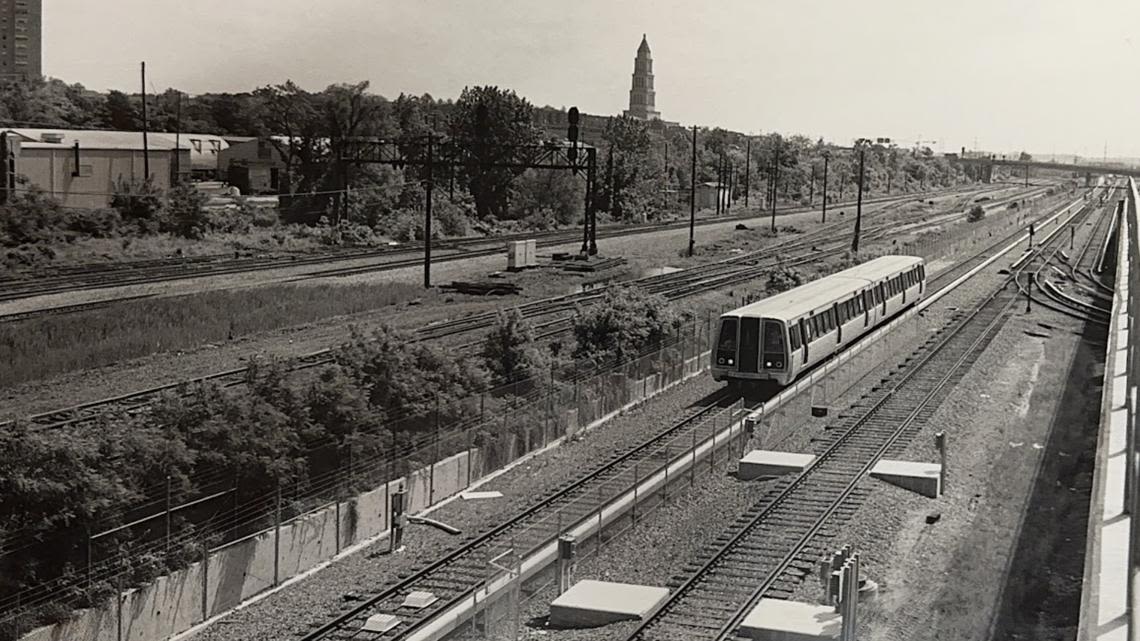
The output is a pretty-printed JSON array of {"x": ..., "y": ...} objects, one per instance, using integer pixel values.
[
  {"x": 777, "y": 620},
  {"x": 419, "y": 600},
  {"x": 759, "y": 463},
  {"x": 380, "y": 623},
  {"x": 923, "y": 478},
  {"x": 590, "y": 603},
  {"x": 475, "y": 495}
]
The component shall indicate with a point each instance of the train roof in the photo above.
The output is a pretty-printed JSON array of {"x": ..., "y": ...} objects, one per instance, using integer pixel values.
[{"x": 806, "y": 298}]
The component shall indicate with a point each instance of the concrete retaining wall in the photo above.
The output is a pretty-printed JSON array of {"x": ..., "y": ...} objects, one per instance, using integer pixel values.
[{"x": 245, "y": 568}]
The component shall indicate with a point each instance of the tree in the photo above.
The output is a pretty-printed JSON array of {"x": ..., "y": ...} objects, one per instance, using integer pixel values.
[
  {"x": 976, "y": 214},
  {"x": 633, "y": 172},
  {"x": 488, "y": 126},
  {"x": 119, "y": 113},
  {"x": 508, "y": 349},
  {"x": 625, "y": 323}
]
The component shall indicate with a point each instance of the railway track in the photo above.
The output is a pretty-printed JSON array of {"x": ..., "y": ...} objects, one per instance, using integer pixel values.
[
  {"x": 1076, "y": 302},
  {"x": 814, "y": 245},
  {"x": 102, "y": 276},
  {"x": 456, "y": 576},
  {"x": 771, "y": 548}
]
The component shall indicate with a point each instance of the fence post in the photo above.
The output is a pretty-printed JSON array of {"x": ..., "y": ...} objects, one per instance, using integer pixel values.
[
  {"x": 435, "y": 456},
  {"x": 168, "y": 484},
  {"x": 470, "y": 457},
  {"x": 205, "y": 579},
  {"x": 277, "y": 538},
  {"x": 693, "y": 465},
  {"x": 636, "y": 483}
]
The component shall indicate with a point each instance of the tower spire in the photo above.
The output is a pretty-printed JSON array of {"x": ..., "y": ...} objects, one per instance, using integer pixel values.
[{"x": 641, "y": 94}]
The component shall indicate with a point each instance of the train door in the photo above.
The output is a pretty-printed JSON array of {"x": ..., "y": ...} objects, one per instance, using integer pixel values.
[
  {"x": 749, "y": 345},
  {"x": 805, "y": 337},
  {"x": 866, "y": 307},
  {"x": 838, "y": 323},
  {"x": 881, "y": 290}
]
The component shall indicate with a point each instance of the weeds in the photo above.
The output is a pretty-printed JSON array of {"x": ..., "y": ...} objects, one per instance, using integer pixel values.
[{"x": 42, "y": 347}]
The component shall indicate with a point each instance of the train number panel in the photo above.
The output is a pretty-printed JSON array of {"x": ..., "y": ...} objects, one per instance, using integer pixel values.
[{"x": 775, "y": 340}]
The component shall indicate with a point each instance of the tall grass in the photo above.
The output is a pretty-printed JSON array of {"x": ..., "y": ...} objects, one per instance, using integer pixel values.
[{"x": 37, "y": 348}]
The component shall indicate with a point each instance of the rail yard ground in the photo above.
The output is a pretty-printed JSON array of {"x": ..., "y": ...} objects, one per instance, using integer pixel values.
[
  {"x": 674, "y": 531},
  {"x": 171, "y": 352}
]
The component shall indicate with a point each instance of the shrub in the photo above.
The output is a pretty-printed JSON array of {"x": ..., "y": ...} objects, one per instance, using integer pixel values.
[
  {"x": 139, "y": 202},
  {"x": 976, "y": 214},
  {"x": 186, "y": 212},
  {"x": 784, "y": 278},
  {"x": 508, "y": 349},
  {"x": 97, "y": 223},
  {"x": 626, "y": 322}
]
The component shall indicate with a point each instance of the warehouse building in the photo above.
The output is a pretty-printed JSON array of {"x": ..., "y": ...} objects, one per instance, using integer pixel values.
[{"x": 80, "y": 168}]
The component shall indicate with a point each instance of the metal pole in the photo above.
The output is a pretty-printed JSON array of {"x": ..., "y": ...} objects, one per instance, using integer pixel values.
[
  {"x": 826, "y": 158},
  {"x": 427, "y": 214},
  {"x": 747, "y": 170},
  {"x": 168, "y": 483},
  {"x": 859, "y": 205},
  {"x": 719, "y": 183},
  {"x": 775, "y": 183},
  {"x": 146, "y": 146},
  {"x": 693, "y": 194},
  {"x": 591, "y": 179}
]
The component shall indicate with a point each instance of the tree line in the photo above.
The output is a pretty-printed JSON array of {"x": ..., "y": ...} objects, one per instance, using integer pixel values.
[{"x": 644, "y": 170}]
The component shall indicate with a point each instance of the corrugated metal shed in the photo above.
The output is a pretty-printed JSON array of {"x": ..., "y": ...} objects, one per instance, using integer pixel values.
[{"x": 94, "y": 139}]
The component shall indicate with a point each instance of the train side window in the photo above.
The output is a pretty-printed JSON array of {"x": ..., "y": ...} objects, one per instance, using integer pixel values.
[
  {"x": 794, "y": 336},
  {"x": 830, "y": 316},
  {"x": 809, "y": 335},
  {"x": 922, "y": 272}
]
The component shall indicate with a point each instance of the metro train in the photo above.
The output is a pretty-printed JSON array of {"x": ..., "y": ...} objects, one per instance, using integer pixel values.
[{"x": 773, "y": 341}]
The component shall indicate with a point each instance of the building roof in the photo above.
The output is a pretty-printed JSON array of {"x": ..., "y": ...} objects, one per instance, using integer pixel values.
[
  {"x": 821, "y": 293},
  {"x": 644, "y": 48},
  {"x": 94, "y": 139}
]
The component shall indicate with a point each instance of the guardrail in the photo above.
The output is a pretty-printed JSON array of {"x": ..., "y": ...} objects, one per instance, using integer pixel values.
[{"x": 1108, "y": 602}]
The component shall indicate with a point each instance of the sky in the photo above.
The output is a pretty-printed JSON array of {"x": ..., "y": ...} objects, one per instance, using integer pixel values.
[{"x": 1048, "y": 76}]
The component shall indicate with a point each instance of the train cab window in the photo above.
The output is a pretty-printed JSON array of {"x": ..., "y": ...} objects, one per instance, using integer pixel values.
[
  {"x": 726, "y": 341},
  {"x": 773, "y": 337}
]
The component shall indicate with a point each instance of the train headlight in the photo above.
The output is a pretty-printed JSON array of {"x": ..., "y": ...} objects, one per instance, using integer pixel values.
[
  {"x": 730, "y": 361},
  {"x": 779, "y": 364},
  {"x": 720, "y": 361},
  {"x": 767, "y": 363}
]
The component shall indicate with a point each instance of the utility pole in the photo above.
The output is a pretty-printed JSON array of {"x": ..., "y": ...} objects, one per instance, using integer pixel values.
[
  {"x": 693, "y": 194},
  {"x": 826, "y": 157},
  {"x": 859, "y": 202},
  {"x": 719, "y": 182},
  {"x": 775, "y": 183},
  {"x": 146, "y": 147},
  {"x": 178, "y": 140},
  {"x": 427, "y": 211},
  {"x": 811, "y": 188},
  {"x": 747, "y": 169},
  {"x": 1027, "y": 173}
]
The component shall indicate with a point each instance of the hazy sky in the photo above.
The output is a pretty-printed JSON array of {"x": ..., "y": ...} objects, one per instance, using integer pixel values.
[{"x": 1044, "y": 75}]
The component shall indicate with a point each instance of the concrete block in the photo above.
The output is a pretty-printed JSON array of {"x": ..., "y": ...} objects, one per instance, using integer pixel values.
[
  {"x": 593, "y": 603},
  {"x": 923, "y": 478},
  {"x": 778, "y": 620},
  {"x": 380, "y": 623},
  {"x": 758, "y": 463}
]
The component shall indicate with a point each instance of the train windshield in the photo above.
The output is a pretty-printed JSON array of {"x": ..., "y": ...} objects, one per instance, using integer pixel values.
[
  {"x": 726, "y": 342},
  {"x": 773, "y": 337}
]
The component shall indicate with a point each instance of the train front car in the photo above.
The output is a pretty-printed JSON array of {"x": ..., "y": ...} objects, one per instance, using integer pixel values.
[{"x": 750, "y": 349}]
